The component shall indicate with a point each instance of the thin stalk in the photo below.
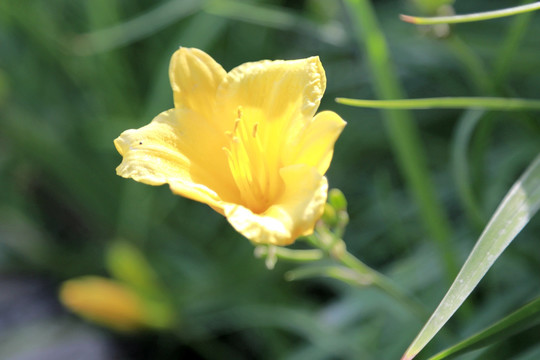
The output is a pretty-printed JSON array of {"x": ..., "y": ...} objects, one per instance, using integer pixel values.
[
  {"x": 403, "y": 133},
  {"x": 473, "y": 64},
  {"x": 381, "y": 282},
  {"x": 283, "y": 253},
  {"x": 485, "y": 103},
  {"x": 487, "y": 15},
  {"x": 460, "y": 166},
  {"x": 510, "y": 46},
  {"x": 327, "y": 241}
]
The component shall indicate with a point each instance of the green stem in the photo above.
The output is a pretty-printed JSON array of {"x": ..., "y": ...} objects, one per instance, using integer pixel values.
[
  {"x": 510, "y": 46},
  {"x": 487, "y": 15},
  {"x": 403, "y": 132},
  {"x": 486, "y": 103},
  {"x": 325, "y": 240},
  {"x": 381, "y": 282},
  {"x": 289, "y": 254},
  {"x": 473, "y": 64},
  {"x": 340, "y": 273}
]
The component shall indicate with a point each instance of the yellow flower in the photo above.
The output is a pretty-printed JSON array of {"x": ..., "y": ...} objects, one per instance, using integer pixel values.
[
  {"x": 246, "y": 142},
  {"x": 104, "y": 301}
]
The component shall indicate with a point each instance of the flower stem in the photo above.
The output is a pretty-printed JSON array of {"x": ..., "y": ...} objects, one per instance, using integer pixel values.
[
  {"x": 381, "y": 282},
  {"x": 290, "y": 254},
  {"x": 326, "y": 240}
]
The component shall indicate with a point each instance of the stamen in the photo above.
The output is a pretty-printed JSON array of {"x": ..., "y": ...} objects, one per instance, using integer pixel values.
[{"x": 249, "y": 168}]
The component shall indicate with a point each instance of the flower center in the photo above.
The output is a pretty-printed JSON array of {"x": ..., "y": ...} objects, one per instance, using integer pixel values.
[{"x": 249, "y": 163}]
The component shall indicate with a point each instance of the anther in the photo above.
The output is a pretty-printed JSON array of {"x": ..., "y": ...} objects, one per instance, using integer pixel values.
[
  {"x": 255, "y": 128},
  {"x": 239, "y": 112}
]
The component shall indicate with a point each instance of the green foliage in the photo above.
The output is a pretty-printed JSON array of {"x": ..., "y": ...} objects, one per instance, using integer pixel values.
[
  {"x": 524, "y": 318},
  {"x": 513, "y": 214},
  {"x": 75, "y": 74}
]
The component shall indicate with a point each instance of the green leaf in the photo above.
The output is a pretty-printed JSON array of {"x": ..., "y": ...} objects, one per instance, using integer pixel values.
[
  {"x": 526, "y": 317},
  {"x": 460, "y": 166},
  {"x": 137, "y": 28},
  {"x": 276, "y": 17},
  {"x": 515, "y": 211}
]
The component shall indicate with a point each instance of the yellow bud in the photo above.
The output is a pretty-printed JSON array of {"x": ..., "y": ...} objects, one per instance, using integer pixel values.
[{"x": 105, "y": 302}]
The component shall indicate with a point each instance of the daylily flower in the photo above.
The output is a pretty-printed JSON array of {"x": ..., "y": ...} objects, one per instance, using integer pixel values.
[{"x": 246, "y": 142}]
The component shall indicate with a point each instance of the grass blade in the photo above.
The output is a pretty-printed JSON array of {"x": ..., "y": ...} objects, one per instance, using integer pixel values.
[
  {"x": 487, "y": 103},
  {"x": 136, "y": 28},
  {"x": 278, "y": 18},
  {"x": 487, "y": 15},
  {"x": 402, "y": 131},
  {"x": 524, "y": 318},
  {"x": 460, "y": 166},
  {"x": 515, "y": 211}
]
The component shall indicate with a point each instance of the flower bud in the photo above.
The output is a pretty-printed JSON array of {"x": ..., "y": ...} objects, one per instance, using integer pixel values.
[{"x": 337, "y": 200}]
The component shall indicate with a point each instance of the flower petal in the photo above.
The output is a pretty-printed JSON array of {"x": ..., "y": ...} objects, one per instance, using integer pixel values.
[
  {"x": 314, "y": 146},
  {"x": 279, "y": 89},
  {"x": 181, "y": 149},
  {"x": 195, "y": 77},
  {"x": 294, "y": 214}
]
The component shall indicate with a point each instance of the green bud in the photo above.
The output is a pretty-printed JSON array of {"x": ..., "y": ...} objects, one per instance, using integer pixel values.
[
  {"x": 337, "y": 200},
  {"x": 329, "y": 215}
]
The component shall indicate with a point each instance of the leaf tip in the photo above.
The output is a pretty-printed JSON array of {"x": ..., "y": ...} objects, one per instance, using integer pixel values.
[
  {"x": 409, "y": 19},
  {"x": 408, "y": 356}
]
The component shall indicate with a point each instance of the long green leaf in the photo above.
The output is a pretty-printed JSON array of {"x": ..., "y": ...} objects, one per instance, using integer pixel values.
[
  {"x": 524, "y": 318},
  {"x": 276, "y": 17},
  {"x": 402, "y": 130},
  {"x": 460, "y": 165},
  {"x": 515, "y": 211},
  {"x": 137, "y": 28}
]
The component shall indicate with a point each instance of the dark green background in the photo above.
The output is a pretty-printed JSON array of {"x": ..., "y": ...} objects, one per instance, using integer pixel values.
[{"x": 74, "y": 74}]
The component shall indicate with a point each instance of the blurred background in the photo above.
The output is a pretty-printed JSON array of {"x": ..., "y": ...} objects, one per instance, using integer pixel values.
[{"x": 75, "y": 74}]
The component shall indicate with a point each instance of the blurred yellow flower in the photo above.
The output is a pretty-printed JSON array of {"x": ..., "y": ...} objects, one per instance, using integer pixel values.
[
  {"x": 247, "y": 143},
  {"x": 105, "y": 302}
]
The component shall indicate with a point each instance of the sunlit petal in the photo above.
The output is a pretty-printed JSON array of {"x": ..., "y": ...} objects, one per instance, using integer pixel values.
[
  {"x": 195, "y": 77},
  {"x": 177, "y": 148},
  {"x": 314, "y": 145},
  {"x": 279, "y": 89}
]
